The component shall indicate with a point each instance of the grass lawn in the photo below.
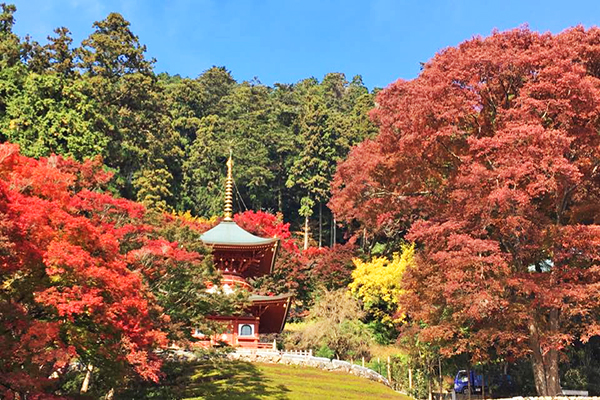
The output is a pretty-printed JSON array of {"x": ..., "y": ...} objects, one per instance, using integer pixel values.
[{"x": 241, "y": 380}]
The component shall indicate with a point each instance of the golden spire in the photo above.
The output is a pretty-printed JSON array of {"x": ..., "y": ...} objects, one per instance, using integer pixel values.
[{"x": 229, "y": 189}]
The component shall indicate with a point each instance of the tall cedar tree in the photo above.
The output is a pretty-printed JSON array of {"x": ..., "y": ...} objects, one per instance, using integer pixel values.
[
  {"x": 143, "y": 146},
  {"x": 12, "y": 69},
  {"x": 491, "y": 158},
  {"x": 314, "y": 165}
]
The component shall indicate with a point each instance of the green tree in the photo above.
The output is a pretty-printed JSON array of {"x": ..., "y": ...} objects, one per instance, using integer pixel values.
[
  {"x": 186, "y": 105},
  {"x": 54, "y": 115},
  {"x": 12, "y": 69},
  {"x": 192, "y": 99},
  {"x": 113, "y": 51},
  {"x": 203, "y": 174},
  {"x": 216, "y": 83},
  {"x": 315, "y": 164},
  {"x": 144, "y": 148},
  {"x": 61, "y": 58},
  {"x": 334, "y": 326},
  {"x": 286, "y": 109},
  {"x": 246, "y": 126}
]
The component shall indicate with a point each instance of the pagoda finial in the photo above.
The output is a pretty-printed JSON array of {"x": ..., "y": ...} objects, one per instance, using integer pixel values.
[{"x": 229, "y": 189}]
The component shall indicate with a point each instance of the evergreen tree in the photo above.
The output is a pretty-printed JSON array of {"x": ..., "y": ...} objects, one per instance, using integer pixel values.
[
  {"x": 12, "y": 69},
  {"x": 143, "y": 146},
  {"x": 285, "y": 113},
  {"x": 313, "y": 168},
  {"x": 203, "y": 174},
  {"x": 216, "y": 83},
  {"x": 164, "y": 136},
  {"x": 113, "y": 51},
  {"x": 248, "y": 130},
  {"x": 54, "y": 115},
  {"x": 61, "y": 57}
]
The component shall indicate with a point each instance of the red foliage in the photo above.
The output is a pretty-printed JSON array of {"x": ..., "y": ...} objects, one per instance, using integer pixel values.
[
  {"x": 68, "y": 282},
  {"x": 291, "y": 269},
  {"x": 89, "y": 174},
  {"x": 490, "y": 157},
  {"x": 331, "y": 267},
  {"x": 296, "y": 271},
  {"x": 264, "y": 224}
]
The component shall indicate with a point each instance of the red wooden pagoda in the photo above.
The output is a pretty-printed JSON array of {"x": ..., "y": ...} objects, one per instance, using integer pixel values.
[{"x": 240, "y": 255}]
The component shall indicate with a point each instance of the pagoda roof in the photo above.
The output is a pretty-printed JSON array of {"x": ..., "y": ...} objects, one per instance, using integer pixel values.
[
  {"x": 256, "y": 298},
  {"x": 228, "y": 233},
  {"x": 273, "y": 311}
]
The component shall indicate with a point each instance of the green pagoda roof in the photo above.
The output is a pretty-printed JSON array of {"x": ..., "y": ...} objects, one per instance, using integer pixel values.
[{"x": 228, "y": 233}]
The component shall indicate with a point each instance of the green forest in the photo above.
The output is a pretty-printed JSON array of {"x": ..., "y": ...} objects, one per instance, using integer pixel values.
[{"x": 166, "y": 137}]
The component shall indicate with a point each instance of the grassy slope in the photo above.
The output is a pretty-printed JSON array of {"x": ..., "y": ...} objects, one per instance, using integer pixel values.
[{"x": 240, "y": 380}]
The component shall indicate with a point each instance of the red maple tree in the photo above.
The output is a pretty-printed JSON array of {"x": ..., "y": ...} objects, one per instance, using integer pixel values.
[
  {"x": 490, "y": 159},
  {"x": 74, "y": 276}
]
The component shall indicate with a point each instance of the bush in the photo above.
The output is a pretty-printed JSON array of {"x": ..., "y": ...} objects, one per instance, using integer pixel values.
[{"x": 333, "y": 324}]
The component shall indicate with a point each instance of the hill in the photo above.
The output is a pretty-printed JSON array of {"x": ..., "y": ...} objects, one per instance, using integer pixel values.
[{"x": 241, "y": 380}]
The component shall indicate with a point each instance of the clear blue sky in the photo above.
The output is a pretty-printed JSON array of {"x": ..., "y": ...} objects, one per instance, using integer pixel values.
[{"x": 285, "y": 41}]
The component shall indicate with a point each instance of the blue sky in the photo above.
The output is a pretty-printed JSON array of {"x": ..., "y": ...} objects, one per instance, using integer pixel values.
[{"x": 285, "y": 41}]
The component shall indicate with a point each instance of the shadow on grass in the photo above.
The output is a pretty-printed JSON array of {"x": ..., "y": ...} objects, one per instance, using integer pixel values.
[
  {"x": 226, "y": 379},
  {"x": 208, "y": 379}
]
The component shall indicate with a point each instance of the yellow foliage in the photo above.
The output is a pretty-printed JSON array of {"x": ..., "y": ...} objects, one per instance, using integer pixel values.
[
  {"x": 379, "y": 280},
  {"x": 187, "y": 216}
]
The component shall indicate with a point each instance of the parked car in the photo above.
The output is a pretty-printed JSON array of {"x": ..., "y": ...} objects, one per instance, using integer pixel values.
[{"x": 461, "y": 382}]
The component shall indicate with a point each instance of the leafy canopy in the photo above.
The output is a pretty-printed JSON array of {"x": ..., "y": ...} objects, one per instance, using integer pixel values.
[
  {"x": 90, "y": 278},
  {"x": 490, "y": 160}
]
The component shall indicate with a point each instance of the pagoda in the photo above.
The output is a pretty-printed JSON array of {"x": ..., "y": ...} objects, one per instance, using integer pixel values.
[{"x": 239, "y": 256}]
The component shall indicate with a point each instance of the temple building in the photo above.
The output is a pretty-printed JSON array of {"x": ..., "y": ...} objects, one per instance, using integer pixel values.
[{"x": 240, "y": 255}]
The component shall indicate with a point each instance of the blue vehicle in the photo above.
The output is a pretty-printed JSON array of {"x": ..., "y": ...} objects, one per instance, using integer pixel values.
[{"x": 461, "y": 382}]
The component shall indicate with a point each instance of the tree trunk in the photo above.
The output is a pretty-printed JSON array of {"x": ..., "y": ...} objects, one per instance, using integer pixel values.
[
  {"x": 441, "y": 379},
  {"x": 334, "y": 233},
  {"x": 483, "y": 386},
  {"x": 469, "y": 383},
  {"x": 320, "y": 225},
  {"x": 306, "y": 232},
  {"x": 429, "y": 391},
  {"x": 545, "y": 364},
  {"x": 88, "y": 377},
  {"x": 280, "y": 200},
  {"x": 280, "y": 187}
]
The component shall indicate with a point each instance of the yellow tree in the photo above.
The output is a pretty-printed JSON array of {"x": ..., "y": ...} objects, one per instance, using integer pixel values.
[{"x": 378, "y": 284}]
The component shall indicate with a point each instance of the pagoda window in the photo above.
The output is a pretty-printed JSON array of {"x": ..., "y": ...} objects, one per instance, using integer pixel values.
[{"x": 246, "y": 330}]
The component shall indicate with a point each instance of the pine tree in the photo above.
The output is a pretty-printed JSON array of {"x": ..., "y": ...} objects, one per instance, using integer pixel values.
[
  {"x": 142, "y": 143},
  {"x": 315, "y": 164}
]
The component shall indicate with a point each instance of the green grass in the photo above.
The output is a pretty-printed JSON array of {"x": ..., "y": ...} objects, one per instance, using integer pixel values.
[{"x": 246, "y": 381}]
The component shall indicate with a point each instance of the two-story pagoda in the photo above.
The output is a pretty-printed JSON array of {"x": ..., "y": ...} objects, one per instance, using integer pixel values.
[{"x": 240, "y": 256}]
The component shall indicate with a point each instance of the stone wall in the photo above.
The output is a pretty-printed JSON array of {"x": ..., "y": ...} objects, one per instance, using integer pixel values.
[
  {"x": 553, "y": 398},
  {"x": 310, "y": 361}
]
